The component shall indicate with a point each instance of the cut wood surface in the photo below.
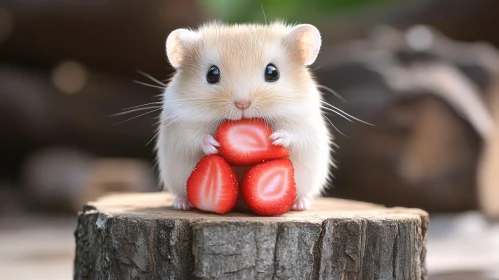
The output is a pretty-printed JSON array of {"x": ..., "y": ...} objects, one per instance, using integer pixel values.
[{"x": 140, "y": 236}]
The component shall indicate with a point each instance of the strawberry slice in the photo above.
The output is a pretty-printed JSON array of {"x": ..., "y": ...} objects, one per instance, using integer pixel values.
[
  {"x": 247, "y": 141},
  {"x": 269, "y": 188},
  {"x": 213, "y": 186}
]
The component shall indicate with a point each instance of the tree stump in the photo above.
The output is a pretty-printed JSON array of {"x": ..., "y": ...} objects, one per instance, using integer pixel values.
[{"x": 139, "y": 236}]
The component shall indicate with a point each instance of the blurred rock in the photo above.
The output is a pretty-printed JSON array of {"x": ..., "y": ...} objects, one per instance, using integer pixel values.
[
  {"x": 54, "y": 178},
  {"x": 11, "y": 199},
  {"x": 34, "y": 114},
  {"x": 429, "y": 99},
  {"x": 108, "y": 175},
  {"x": 65, "y": 179}
]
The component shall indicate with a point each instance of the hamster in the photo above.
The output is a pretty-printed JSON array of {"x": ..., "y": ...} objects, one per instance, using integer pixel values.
[{"x": 243, "y": 71}]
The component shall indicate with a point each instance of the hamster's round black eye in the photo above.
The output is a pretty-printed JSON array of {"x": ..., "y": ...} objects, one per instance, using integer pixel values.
[
  {"x": 271, "y": 73},
  {"x": 213, "y": 75}
]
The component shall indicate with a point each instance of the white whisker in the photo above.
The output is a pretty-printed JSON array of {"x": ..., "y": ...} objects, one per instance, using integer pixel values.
[
  {"x": 186, "y": 100},
  {"x": 337, "y": 113},
  {"x": 139, "y": 116},
  {"x": 177, "y": 114},
  {"x": 148, "y": 85},
  {"x": 146, "y": 104},
  {"x": 152, "y": 78},
  {"x": 335, "y": 108},
  {"x": 159, "y": 122},
  {"x": 159, "y": 130},
  {"x": 157, "y": 105},
  {"x": 171, "y": 105},
  {"x": 135, "y": 110},
  {"x": 155, "y": 135},
  {"x": 335, "y": 127},
  {"x": 333, "y": 92},
  {"x": 318, "y": 66},
  {"x": 216, "y": 118},
  {"x": 190, "y": 98}
]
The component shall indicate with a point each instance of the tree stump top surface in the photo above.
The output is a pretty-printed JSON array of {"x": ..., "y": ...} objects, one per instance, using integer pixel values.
[
  {"x": 153, "y": 206},
  {"x": 140, "y": 236}
]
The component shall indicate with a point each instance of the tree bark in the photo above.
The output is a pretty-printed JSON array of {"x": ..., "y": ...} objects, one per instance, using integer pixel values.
[{"x": 139, "y": 236}]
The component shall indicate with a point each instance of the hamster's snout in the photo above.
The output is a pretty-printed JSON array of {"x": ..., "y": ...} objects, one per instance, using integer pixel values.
[{"x": 242, "y": 104}]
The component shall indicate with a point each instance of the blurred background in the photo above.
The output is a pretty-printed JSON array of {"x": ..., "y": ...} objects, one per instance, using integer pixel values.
[{"x": 424, "y": 72}]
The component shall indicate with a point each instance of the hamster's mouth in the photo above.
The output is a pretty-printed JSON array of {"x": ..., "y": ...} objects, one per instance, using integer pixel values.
[{"x": 241, "y": 114}]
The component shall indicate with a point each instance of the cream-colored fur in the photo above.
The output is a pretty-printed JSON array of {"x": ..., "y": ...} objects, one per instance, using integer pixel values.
[{"x": 193, "y": 108}]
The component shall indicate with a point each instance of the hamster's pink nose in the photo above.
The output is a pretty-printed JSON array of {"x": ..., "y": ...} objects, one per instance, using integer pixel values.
[{"x": 242, "y": 104}]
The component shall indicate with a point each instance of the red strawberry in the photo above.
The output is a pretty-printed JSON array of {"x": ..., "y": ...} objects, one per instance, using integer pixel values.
[
  {"x": 247, "y": 141},
  {"x": 269, "y": 188},
  {"x": 213, "y": 186}
]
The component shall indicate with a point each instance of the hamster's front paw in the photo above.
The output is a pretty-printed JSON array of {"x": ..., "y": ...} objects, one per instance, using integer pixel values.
[
  {"x": 210, "y": 145},
  {"x": 182, "y": 203},
  {"x": 301, "y": 204},
  {"x": 281, "y": 137}
]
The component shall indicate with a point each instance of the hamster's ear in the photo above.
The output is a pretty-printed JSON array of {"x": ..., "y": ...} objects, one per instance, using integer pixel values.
[
  {"x": 305, "y": 39},
  {"x": 177, "y": 43}
]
